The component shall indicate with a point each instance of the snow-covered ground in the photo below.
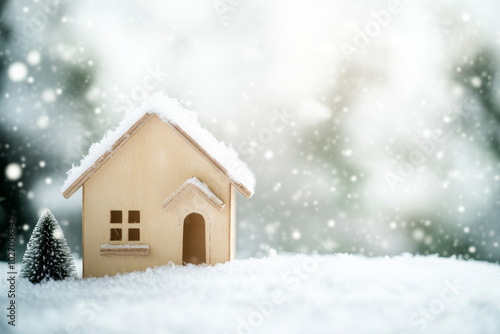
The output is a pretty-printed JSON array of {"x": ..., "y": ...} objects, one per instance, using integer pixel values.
[{"x": 280, "y": 294}]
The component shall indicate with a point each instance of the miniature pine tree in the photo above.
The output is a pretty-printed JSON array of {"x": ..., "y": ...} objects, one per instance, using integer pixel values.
[{"x": 47, "y": 255}]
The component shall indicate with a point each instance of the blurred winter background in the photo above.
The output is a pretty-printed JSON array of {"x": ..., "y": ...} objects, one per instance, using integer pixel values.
[{"x": 372, "y": 127}]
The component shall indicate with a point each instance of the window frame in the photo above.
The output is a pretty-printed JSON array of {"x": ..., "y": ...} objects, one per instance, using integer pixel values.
[
  {"x": 133, "y": 213},
  {"x": 117, "y": 233},
  {"x": 138, "y": 230},
  {"x": 113, "y": 216}
]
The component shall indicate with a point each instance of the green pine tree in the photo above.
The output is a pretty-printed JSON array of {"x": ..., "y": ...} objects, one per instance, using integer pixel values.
[{"x": 47, "y": 255}]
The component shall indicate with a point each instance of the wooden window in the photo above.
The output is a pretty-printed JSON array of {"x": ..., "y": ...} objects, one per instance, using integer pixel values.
[
  {"x": 134, "y": 217},
  {"x": 134, "y": 234},
  {"x": 116, "y": 217},
  {"x": 116, "y": 234}
]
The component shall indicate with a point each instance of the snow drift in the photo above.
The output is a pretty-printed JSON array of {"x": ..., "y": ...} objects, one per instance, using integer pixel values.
[{"x": 280, "y": 294}]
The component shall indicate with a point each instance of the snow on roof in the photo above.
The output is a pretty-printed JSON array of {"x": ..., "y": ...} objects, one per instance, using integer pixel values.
[
  {"x": 204, "y": 188},
  {"x": 199, "y": 186},
  {"x": 170, "y": 112}
]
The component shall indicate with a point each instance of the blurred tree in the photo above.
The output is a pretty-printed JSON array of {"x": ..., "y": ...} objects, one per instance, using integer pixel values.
[
  {"x": 478, "y": 76},
  {"x": 336, "y": 180},
  {"x": 472, "y": 236},
  {"x": 47, "y": 119}
]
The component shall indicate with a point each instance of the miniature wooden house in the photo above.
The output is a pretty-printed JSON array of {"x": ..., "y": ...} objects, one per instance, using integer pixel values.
[{"x": 158, "y": 189}]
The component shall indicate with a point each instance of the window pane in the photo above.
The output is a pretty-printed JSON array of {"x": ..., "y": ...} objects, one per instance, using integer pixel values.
[
  {"x": 134, "y": 217},
  {"x": 133, "y": 234},
  {"x": 116, "y": 217},
  {"x": 116, "y": 234}
]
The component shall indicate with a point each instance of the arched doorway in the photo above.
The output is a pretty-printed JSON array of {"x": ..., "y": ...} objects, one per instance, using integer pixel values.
[{"x": 193, "y": 241}]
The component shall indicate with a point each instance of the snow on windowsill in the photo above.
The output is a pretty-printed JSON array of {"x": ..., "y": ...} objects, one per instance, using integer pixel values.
[
  {"x": 124, "y": 250},
  {"x": 124, "y": 246}
]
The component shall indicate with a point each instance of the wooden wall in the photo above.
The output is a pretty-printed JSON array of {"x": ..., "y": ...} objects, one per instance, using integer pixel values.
[{"x": 140, "y": 176}]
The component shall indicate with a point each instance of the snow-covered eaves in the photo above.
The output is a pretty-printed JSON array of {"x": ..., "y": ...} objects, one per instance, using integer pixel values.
[
  {"x": 183, "y": 122},
  {"x": 194, "y": 184}
]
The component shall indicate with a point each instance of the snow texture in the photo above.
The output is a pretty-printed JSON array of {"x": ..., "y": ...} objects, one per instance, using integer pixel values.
[
  {"x": 124, "y": 246},
  {"x": 169, "y": 111},
  {"x": 280, "y": 294},
  {"x": 203, "y": 187}
]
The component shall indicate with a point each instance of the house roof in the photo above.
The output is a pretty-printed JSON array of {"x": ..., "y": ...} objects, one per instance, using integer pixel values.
[
  {"x": 185, "y": 124},
  {"x": 198, "y": 187}
]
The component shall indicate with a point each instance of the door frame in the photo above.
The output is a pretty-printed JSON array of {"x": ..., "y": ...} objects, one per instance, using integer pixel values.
[{"x": 208, "y": 232}]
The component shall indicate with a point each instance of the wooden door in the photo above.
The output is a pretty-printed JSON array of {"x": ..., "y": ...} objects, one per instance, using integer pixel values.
[{"x": 193, "y": 241}]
